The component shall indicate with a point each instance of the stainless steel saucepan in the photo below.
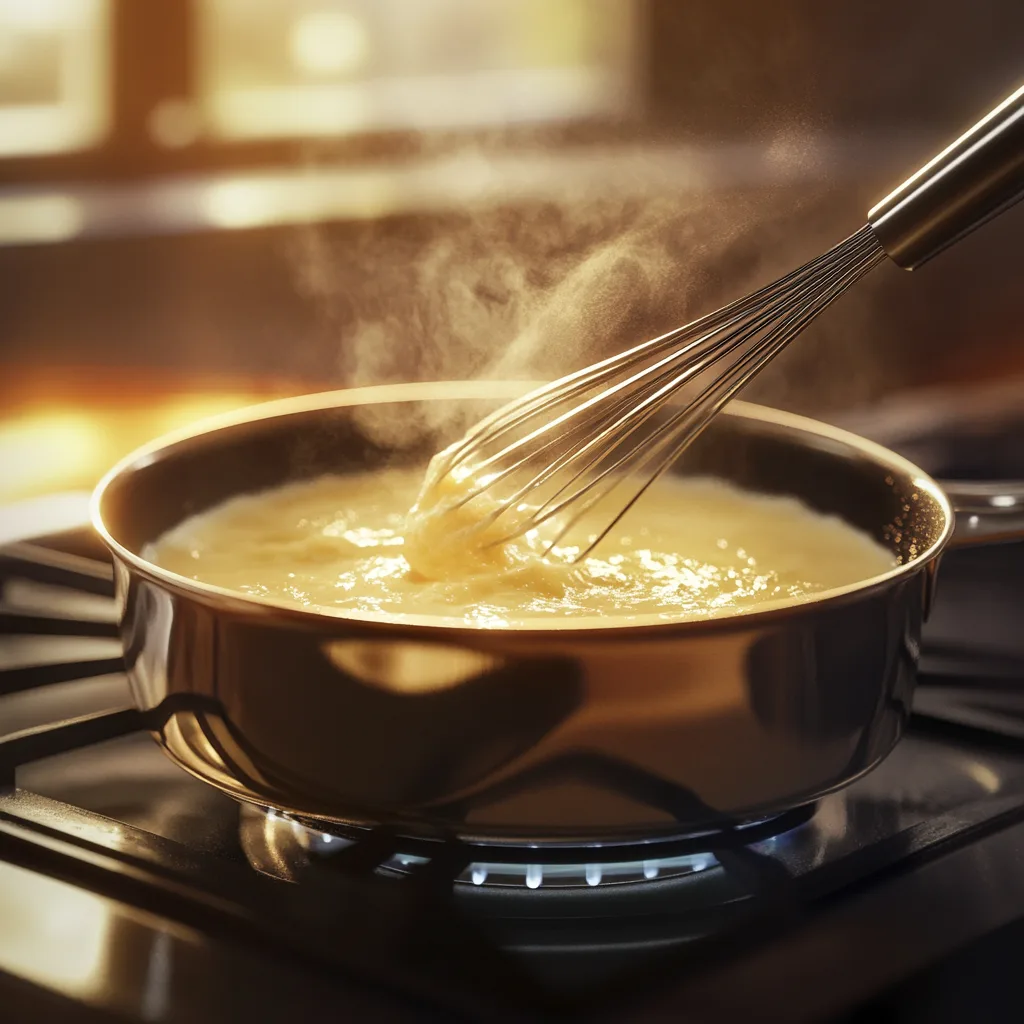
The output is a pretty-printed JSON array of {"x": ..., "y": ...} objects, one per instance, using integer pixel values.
[{"x": 582, "y": 730}]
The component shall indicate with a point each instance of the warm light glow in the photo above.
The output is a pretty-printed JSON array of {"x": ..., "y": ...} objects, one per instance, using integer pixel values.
[
  {"x": 236, "y": 204},
  {"x": 41, "y": 451},
  {"x": 287, "y": 68},
  {"x": 268, "y": 199},
  {"x": 53, "y": 934},
  {"x": 984, "y": 776},
  {"x": 37, "y": 517},
  {"x": 36, "y": 15},
  {"x": 182, "y": 412},
  {"x": 49, "y": 218},
  {"x": 47, "y": 449},
  {"x": 54, "y": 93},
  {"x": 329, "y": 43}
]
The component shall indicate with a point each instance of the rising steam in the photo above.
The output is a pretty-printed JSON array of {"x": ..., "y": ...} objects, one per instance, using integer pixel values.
[{"x": 530, "y": 290}]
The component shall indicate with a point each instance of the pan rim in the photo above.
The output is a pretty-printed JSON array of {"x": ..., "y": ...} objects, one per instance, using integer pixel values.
[{"x": 437, "y": 627}]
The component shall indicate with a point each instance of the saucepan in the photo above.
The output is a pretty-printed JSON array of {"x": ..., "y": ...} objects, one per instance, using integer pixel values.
[{"x": 562, "y": 730}]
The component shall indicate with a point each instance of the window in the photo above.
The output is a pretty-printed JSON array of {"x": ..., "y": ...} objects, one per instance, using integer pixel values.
[
  {"x": 294, "y": 68},
  {"x": 54, "y": 75}
]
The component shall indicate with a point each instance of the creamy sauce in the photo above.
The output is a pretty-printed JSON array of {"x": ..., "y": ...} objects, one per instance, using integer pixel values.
[{"x": 690, "y": 549}]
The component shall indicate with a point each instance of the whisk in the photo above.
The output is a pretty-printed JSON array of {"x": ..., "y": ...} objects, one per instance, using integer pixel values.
[{"x": 585, "y": 447}]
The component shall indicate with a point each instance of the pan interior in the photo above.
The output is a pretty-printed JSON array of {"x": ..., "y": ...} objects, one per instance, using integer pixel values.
[{"x": 757, "y": 449}]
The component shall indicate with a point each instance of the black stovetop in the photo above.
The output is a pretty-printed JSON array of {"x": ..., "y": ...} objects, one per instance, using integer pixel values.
[{"x": 130, "y": 890}]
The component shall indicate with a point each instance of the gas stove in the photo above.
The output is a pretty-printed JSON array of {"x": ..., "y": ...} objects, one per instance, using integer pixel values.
[{"x": 130, "y": 890}]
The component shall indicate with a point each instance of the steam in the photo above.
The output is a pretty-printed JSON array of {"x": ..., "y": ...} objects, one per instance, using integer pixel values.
[{"x": 532, "y": 289}]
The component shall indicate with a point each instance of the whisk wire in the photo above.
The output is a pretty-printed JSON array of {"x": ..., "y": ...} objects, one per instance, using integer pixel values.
[
  {"x": 570, "y": 444},
  {"x": 682, "y": 429},
  {"x": 508, "y": 419},
  {"x": 686, "y": 426}
]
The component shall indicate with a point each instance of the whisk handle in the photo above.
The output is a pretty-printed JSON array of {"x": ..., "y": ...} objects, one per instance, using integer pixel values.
[{"x": 968, "y": 183}]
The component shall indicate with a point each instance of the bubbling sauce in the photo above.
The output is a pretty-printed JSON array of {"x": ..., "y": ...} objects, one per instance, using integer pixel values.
[{"x": 691, "y": 548}]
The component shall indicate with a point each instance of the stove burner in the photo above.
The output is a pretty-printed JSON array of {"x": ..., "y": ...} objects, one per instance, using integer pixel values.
[{"x": 287, "y": 848}]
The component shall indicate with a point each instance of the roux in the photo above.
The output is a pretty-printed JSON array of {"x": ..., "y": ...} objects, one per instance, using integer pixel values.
[{"x": 691, "y": 548}]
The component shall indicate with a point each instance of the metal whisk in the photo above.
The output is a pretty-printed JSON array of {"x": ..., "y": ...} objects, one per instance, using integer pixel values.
[{"x": 587, "y": 446}]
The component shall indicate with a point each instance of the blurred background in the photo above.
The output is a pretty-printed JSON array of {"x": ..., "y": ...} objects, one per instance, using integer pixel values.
[{"x": 208, "y": 203}]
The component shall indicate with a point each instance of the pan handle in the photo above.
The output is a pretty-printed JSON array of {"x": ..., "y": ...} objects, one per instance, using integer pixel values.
[{"x": 986, "y": 513}]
